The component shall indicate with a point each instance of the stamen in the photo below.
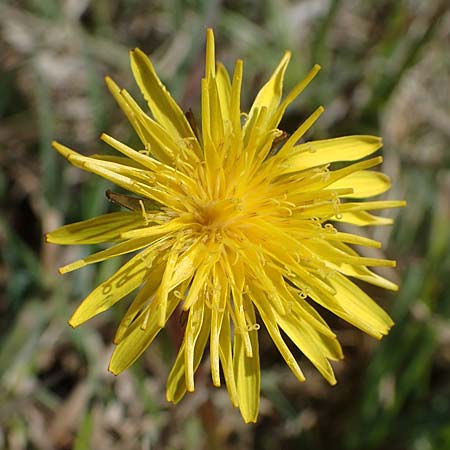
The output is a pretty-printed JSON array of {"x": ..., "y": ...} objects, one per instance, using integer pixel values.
[
  {"x": 144, "y": 212},
  {"x": 178, "y": 295}
]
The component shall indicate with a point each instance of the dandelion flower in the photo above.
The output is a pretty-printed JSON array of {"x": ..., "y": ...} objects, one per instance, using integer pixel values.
[{"x": 234, "y": 223}]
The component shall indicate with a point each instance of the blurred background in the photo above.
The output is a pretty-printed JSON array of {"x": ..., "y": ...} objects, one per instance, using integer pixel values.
[{"x": 385, "y": 71}]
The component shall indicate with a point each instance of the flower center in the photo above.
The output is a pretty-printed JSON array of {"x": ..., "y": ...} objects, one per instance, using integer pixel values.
[{"x": 217, "y": 214}]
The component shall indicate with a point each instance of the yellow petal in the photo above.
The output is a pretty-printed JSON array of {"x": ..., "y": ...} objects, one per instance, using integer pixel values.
[
  {"x": 330, "y": 302},
  {"x": 317, "y": 153},
  {"x": 158, "y": 168},
  {"x": 236, "y": 279},
  {"x": 365, "y": 183},
  {"x": 217, "y": 120},
  {"x": 125, "y": 107},
  {"x": 331, "y": 349},
  {"x": 296, "y": 305},
  {"x": 123, "y": 176},
  {"x": 147, "y": 129},
  {"x": 299, "y": 132},
  {"x": 269, "y": 315},
  {"x": 247, "y": 371},
  {"x": 328, "y": 252},
  {"x": 361, "y": 272},
  {"x": 304, "y": 337},
  {"x": 126, "y": 279},
  {"x": 364, "y": 274},
  {"x": 198, "y": 283},
  {"x": 156, "y": 138},
  {"x": 163, "y": 291},
  {"x": 143, "y": 298},
  {"x": 105, "y": 228},
  {"x": 328, "y": 210},
  {"x": 212, "y": 128},
  {"x": 157, "y": 230},
  {"x": 199, "y": 319},
  {"x": 358, "y": 304},
  {"x": 224, "y": 90},
  {"x": 270, "y": 94},
  {"x": 235, "y": 105},
  {"x": 187, "y": 264},
  {"x": 176, "y": 382},
  {"x": 362, "y": 219},
  {"x": 122, "y": 160},
  {"x": 368, "y": 206},
  {"x": 162, "y": 105},
  {"x": 293, "y": 94},
  {"x": 116, "y": 250},
  {"x": 210, "y": 58},
  {"x": 226, "y": 359},
  {"x": 218, "y": 299},
  {"x": 140, "y": 337}
]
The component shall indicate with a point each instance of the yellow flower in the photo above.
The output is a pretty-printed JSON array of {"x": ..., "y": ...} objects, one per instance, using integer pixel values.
[{"x": 234, "y": 224}]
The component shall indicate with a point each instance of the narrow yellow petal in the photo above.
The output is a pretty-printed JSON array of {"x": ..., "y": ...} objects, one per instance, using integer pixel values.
[
  {"x": 226, "y": 359},
  {"x": 359, "y": 271},
  {"x": 212, "y": 128},
  {"x": 333, "y": 349},
  {"x": 362, "y": 219},
  {"x": 136, "y": 342},
  {"x": 364, "y": 274},
  {"x": 218, "y": 300},
  {"x": 293, "y": 94},
  {"x": 235, "y": 103},
  {"x": 117, "y": 250},
  {"x": 176, "y": 382},
  {"x": 163, "y": 290},
  {"x": 158, "y": 140},
  {"x": 224, "y": 90},
  {"x": 368, "y": 206},
  {"x": 122, "y": 160},
  {"x": 157, "y": 230},
  {"x": 237, "y": 281},
  {"x": 112, "y": 172},
  {"x": 210, "y": 59},
  {"x": 309, "y": 343},
  {"x": 317, "y": 153},
  {"x": 105, "y": 228},
  {"x": 217, "y": 120},
  {"x": 295, "y": 305},
  {"x": 247, "y": 372},
  {"x": 128, "y": 110},
  {"x": 358, "y": 304},
  {"x": 362, "y": 321},
  {"x": 270, "y": 94},
  {"x": 196, "y": 322},
  {"x": 328, "y": 252},
  {"x": 349, "y": 238},
  {"x": 198, "y": 282},
  {"x": 163, "y": 107},
  {"x": 143, "y": 298},
  {"x": 158, "y": 168},
  {"x": 187, "y": 264},
  {"x": 299, "y": 132},
  {"x": 125, "y": 280},
  {"x": 268, "y": 315},
  {"x": 365, "y": 183}
]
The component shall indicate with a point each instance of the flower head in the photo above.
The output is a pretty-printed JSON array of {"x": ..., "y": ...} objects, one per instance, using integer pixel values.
[{"x": 233, "y": 223}]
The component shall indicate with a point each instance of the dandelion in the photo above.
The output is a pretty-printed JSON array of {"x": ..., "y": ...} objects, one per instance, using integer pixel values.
[{"x": 234, "y": 223}]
